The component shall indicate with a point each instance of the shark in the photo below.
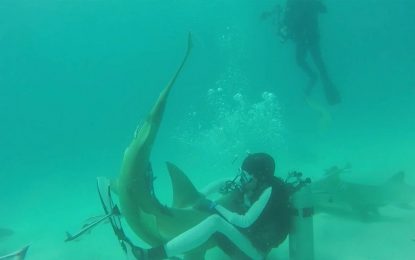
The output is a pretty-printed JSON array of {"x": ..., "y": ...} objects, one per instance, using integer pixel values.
[
  {"x": 333, "y": 195},
  {"x": 17, "y": 255},
  {"x": 150, "y": 220}
]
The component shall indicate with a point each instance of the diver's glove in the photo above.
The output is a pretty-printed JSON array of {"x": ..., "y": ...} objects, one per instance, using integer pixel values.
[{"x": 206, "y": 205}]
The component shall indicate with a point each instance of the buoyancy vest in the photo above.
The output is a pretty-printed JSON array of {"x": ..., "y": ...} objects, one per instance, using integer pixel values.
[{"x": 273, "y": 225}]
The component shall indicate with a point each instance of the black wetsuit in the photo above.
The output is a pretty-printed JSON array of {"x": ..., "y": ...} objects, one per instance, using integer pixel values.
[
  {"x": 302, "y": 26},
  {"x": 270, "y": 229}
]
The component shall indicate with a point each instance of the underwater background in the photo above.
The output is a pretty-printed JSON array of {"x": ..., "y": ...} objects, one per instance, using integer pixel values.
[{"x": 77, "y": 77}]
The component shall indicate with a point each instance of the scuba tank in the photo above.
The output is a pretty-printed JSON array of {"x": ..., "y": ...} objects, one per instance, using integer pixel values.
[{"x": 301, "y": 238}]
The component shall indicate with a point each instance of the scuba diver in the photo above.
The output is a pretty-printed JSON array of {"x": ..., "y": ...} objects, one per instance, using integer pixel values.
[
  {"x": 260, "y": 222},
  {"x": 299, "y": 22}
]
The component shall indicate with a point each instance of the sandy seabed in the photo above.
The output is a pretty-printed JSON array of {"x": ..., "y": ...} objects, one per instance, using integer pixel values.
[{"x": 41, "y": 213}]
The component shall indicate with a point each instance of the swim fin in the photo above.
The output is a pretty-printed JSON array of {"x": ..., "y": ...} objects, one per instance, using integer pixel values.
[{"x": 331, "y": 92}]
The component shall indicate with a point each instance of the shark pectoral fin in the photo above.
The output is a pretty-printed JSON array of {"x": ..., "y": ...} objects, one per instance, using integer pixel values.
[{"x": 185, "y": 193}]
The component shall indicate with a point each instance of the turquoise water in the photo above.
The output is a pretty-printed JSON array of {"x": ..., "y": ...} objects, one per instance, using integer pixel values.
[{"x": 76, "y": 77}]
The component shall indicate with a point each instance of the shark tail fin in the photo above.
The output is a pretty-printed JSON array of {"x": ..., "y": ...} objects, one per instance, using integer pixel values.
[{"x": 185, "y": 193}]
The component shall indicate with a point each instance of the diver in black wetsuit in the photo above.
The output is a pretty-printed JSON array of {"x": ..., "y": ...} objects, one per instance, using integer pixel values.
[{"x": 299, "y": 23}]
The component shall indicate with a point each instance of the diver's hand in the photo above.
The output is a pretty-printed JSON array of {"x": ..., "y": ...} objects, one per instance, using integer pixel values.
[{"x": 206, "y": 205}]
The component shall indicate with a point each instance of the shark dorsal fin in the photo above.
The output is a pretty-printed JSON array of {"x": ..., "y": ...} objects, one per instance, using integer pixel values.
[{"x": 185, "y": 193}]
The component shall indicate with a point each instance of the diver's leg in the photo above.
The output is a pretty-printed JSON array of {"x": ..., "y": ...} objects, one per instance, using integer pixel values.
[
  {"x": 199, "y": 234},
  {"x": 330, "y": 90},
  {"x": 229, "y": 248},
  {"x": 315, "y": 52},
  {"x": 301, "y": 55}
]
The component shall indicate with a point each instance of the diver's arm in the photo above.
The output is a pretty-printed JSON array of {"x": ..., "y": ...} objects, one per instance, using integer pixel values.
[
  {"x": 250, "y": 216},
  {"x": 214, "y": 187}
]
